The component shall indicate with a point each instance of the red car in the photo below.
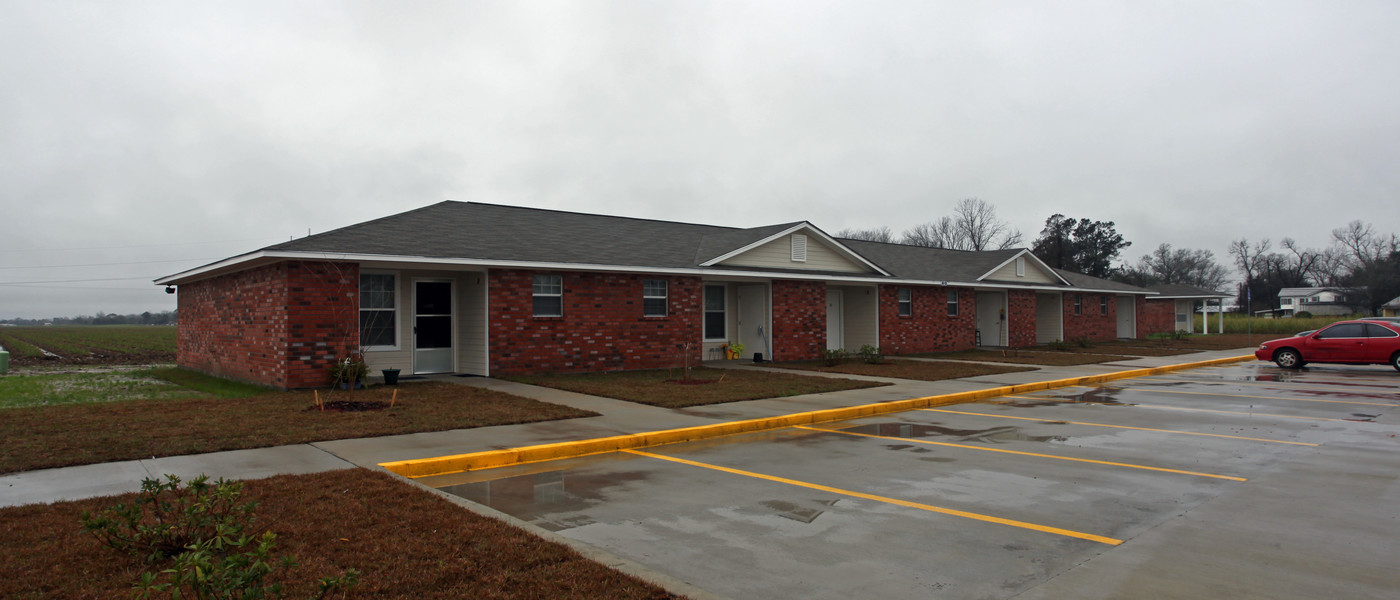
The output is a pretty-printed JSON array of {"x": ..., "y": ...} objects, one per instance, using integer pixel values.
[{"x": 1345, "y": 342}]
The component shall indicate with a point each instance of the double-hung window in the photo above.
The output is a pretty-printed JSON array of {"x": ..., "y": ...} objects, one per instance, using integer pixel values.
[
  {"x": 653, "y": 297},
  {"x": 1103, "y": 305},
  {"x": 715, "y": 328},
  {"x": 548, "y": 295},
  {"x": 1078, "y": 304},
  {"x": 952, "y": 303},
  {"x": 906, "y": 302},
  {"x": 378, "y": 311}
]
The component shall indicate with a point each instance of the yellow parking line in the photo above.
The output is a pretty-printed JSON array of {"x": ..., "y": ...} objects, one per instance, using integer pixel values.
[
  {"x": 928, "y": 507},
  {"x": 1020, "y": 453},
  {"x": 1156, "y": 391},
  {"x": 1219, "y": 435}
]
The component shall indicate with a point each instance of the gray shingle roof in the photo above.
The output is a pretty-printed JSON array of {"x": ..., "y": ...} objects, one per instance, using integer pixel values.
[
  {"x": 489, "y": 232},
  {"x": 1178, "y": 290}
]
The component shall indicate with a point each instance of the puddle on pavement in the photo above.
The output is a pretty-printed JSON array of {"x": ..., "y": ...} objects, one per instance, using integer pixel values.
[
  {"x": 799, "y": 513},
  {"x": 551, "y": 499},
  {"x": 914, "y": 430},
  {"x": 1102, "y": 395}
]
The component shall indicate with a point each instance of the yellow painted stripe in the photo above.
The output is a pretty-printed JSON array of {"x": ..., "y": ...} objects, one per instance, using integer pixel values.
[
  {"x": 928, "y": 507},
  {"x": 1235, "y": 412},
  {"x": 1157, "y": 391},
  {"x": 1177, "y": 431},
  {"x": 490, "y": 459},
  {"x": 1034, "y": 454}
]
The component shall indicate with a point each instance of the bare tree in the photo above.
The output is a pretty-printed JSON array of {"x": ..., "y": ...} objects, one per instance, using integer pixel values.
[
  {"x": 973, "y": 226},
  {"x": 874, "y": 234},
  {"x": 934, "y": 234}
]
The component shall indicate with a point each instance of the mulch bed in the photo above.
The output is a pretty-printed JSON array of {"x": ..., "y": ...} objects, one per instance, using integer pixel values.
[
  {"x": 904, "y": 369},
  {"x": 405, "y": 542},
  {"x": 658, "y": 387}
]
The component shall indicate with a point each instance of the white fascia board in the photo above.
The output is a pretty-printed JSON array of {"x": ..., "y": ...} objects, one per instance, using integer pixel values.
[
  {"x": 1028, "y": 254},
  {"x": 262, "y": 257},
  {"x": 811, "y": 229}
]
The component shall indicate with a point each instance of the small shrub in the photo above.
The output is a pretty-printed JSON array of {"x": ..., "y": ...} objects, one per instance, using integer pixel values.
[
  {"x": 198, "y": 530},
  {"x": 871, "y": 354},
  {"x": 1059, "y": 345},
  {"x": 1302, "y": 314},
  {"x": 1084, "y": 342},
  {"x": 835, "y": 357}
]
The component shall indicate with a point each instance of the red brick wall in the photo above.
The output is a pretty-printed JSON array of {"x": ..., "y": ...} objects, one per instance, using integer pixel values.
[
  {"x": 280, "y": 325},
  {"x": 1090, "y": 323},
  {"x": 929, "y": 328},
  {"x": 1020, "y": 318},
  {"x": 799, "y": 320},
  {"x": 1155, "y": 316},
  {"x": 602, "y": 328}
]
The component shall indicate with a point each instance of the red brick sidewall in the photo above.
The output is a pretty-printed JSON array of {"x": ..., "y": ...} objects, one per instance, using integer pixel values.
[
  {"x": 1091, "y": 324},
  {"x": 1021, "y": 318},
  {"x": 929, "y": 328},
  {"x": 281, "y": 325},
  {"x": 1156, "y": 316},
  {"x": 799, "y": 320},
  {"x": 602, "y": 328}
]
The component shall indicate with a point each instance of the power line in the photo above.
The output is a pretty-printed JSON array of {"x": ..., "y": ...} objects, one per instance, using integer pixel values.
[
  {"x": 148, "y": 262},
  {"x": 137, "y": 246},
  {"x": 75, "y": 280}
]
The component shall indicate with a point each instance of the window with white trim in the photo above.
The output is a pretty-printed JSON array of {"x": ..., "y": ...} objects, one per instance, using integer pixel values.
[
  {"x": 378, "y": 311},
  {"x": 715, "y": 326},
  {"x": 952, "y": 303},
  {"x": 906, "y": 302},
  {"x": 548, "y": 296},
  {"x": 653, "y": 297},
  {"x": 1103, "y": 305},
  {"x": 1078, "y": 304}
]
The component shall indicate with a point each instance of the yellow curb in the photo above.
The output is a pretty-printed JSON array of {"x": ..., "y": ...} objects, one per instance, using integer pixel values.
[{"x": 490, "y": 459}]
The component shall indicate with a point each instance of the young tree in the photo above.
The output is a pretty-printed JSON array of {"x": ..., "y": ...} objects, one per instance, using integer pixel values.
[{"x": 1085, "y": 246}]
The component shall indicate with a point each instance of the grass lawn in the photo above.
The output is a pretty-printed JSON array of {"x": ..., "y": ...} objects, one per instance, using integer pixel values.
[
  {"x": 708, "y": 386},
  {"x": 89, "y": 344},
  {"x": 1225, "y": 341},
  {"x": 405, "y": 542},
  {"x": 904, "y": 369},
  {"x": 55, "y": 436},
  {"x": 47, "y": 389},
  {"x": 1027, "y": 356}
]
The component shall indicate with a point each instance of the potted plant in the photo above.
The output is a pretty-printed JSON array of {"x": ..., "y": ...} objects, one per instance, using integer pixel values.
[
  {"x": 349, "y": 371},
  {"x": 734, "y": 349}
]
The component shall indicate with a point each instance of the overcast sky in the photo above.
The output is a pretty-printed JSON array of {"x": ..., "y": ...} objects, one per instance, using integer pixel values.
[{"x": 144, "y": 138}]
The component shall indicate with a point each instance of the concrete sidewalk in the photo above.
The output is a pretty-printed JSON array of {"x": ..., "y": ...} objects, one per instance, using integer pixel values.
[{"x": 615, "y": 417}]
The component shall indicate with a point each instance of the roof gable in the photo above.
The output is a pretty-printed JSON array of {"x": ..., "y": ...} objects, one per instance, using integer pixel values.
[
  {"x": 800, "y": 246},
  {"x": 1023, "y": 267}
]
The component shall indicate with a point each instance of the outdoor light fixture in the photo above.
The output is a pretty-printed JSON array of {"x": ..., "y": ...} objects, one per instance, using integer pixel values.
[{"x": 170, "y": 289}]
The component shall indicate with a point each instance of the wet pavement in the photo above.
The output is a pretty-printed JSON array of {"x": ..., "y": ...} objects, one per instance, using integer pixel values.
[{"x": 1242, "y": 482}]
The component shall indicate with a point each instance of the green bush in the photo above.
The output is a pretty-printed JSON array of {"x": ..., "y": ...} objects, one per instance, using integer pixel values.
[
  {"x": 197, "y": 533},
  {"x": 1084, "y": 342},
  {"x": 871, "y": 354},
  {"x": 1302, "y": 314},
  {"x": 835, "y": 357}
]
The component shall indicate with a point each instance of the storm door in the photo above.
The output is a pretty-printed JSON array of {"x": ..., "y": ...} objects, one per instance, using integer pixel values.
[{"x": 432, "y": 327}]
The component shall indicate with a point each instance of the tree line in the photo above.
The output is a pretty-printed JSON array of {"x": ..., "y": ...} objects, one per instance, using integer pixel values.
[
  {"x": 1362, "y": 265},
  {"x": 168, "y": 317}
]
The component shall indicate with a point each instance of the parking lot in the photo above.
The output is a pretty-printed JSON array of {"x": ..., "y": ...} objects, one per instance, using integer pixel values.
[{"x": 1241, "y": 481}]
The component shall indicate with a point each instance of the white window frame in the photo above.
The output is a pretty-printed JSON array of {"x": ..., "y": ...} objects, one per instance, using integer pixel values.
[
  {"x": 535, "y": 294},
  {"x": 398, "y": 304},
  {"x": 705, "y": 311},
  {"x": 953, "y": 309},
  {"x": 664, "y": 298},
  {"x": 906, "y": 302}
]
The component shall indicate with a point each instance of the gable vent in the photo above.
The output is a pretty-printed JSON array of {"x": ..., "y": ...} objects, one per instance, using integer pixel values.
[
  {"x": 1020, "y": 266},
  {"x": 799, "y": 248}
]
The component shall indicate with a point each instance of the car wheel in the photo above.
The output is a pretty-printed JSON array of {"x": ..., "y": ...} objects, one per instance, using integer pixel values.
[
  {"x": 1288, "y": 358},
  {"x": 1395, "y": 361}
]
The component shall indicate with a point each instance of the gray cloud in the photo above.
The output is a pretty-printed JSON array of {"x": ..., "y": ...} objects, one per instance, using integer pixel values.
[{"x": 1191, "y": 123}]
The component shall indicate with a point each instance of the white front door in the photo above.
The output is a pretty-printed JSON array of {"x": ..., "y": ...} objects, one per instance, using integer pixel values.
[
  {"x": 835, "y": 333},
  {"x": 432, "y": 327},
  {"x": 753, "y": 320},
  {"x": 1127, "y": 317},
  {"x": 991, "y": 318}
]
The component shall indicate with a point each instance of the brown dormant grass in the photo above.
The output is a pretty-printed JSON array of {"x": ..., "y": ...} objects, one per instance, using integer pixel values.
[
  {"x": 666, "y": 388},
  {"x": 905, "y": 369},
  {"x": 57, "y": 436}
]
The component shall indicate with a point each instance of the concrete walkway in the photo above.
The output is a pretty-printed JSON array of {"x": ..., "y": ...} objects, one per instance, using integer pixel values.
[{"x": 616, "y": 417}]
